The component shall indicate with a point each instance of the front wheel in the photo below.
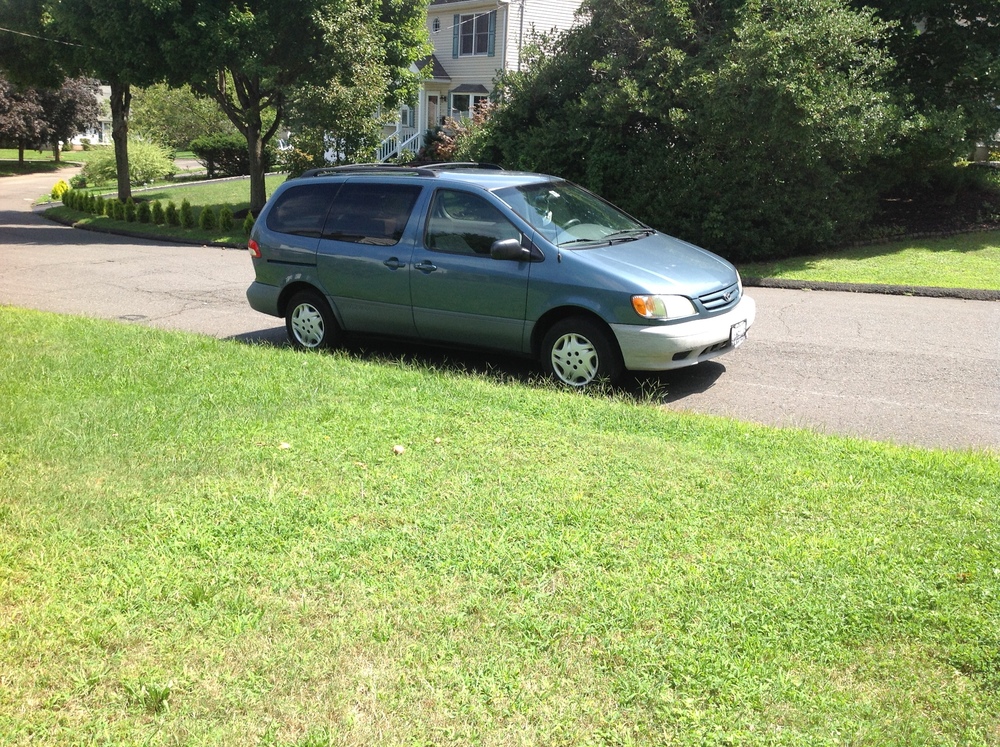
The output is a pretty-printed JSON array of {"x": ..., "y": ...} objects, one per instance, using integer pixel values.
[
  {"x": 577, "y": 352},
  {"x": 309, "y": 321}
]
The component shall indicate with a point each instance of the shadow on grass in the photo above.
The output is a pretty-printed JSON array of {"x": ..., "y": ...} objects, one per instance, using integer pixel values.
[{"x": 642, "y": 387}]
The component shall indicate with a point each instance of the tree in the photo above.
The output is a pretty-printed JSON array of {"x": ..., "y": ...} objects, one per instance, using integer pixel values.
[
  {"x": 69, "y": 110},
  {"x": 176, "y": 116},
  {"x": 947, "y": 55},
  {"x": 249, "y": 55},
  {"x": 21, "y": 116},
  {"x": 28, "y": 53},
  {"x": 747, "y": 126},
  {"x": 118, "y": 42}
]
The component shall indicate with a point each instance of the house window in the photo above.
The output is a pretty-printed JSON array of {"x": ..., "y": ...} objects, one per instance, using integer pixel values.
[
  {"x": 463, "y": 105},
  {"x": 437, "y": 25},
  {"x": 475, "y": 34}
]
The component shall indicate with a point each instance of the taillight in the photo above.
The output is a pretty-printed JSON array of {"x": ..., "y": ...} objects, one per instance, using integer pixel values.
[{"x": 254, "y": 248}]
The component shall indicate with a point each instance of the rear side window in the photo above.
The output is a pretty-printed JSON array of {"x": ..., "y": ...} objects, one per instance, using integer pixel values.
[
  {"x": 302, "y": 210},
  {"x": 371, "y": 213}
]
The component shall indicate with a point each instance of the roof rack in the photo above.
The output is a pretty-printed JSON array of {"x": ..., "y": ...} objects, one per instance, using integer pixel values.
[
  {"x": 367, "y": 168},
  {"x": 449, "y": 165},
  {"x": 427, "y": 169}
]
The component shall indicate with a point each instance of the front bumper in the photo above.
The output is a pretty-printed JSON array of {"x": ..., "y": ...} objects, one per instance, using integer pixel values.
[{"x": 662, "y": 347}]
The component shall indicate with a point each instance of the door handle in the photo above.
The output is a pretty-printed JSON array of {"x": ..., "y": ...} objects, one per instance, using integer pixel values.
[
  {"x": 425, "y": 266},
  {"x": 394, "y": 264}
]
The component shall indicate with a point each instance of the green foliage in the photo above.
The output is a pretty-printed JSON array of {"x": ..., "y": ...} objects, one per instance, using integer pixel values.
[
  {"x": 294, "y": 161},
  {"x": 60, "y": 188},
  {"x": 187, "y": 219},
  {"x": 129, "y": 210},
  {"x": 78, "y": 181},
  {"x": 175, "y": 116},
  {"x": 225, "y": 154},
  {"x": 225, "y": 218},
  {"x": 751, "y": 130},
  {"x": 143, "y": 213},
  {"x": 147, "y": 162},
  {"x": 100, "y": 206},
  {"x": 248, "y": 222},
  {"x": 156, "y": 214},
  {"x": 206, "y": 219},
  {"x": 171, "y": 215},
  {"x": 117, "y": 209},
  {"x": 67, "y": 198}
]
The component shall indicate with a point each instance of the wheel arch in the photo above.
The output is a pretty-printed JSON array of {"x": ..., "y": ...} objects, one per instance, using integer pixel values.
[{"x": 556, "y": 315}]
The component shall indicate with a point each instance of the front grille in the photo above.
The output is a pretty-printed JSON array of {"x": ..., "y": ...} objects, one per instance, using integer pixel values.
[{"x": 721, "y": 299}]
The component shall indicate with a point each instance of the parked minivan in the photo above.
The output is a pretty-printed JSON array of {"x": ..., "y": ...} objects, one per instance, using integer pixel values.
[{"x": 476, "y": 256}]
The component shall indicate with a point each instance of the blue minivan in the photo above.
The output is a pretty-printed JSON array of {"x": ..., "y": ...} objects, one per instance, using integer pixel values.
[{"x": 475, "y": 256}]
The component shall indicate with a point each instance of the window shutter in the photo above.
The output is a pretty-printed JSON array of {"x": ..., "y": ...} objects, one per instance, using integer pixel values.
[
  {"x": 491, "y": 50},
  {"x": 454, "y": 37}
]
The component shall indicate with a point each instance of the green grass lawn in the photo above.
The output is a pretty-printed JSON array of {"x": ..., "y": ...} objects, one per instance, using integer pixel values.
[
  {"x": 205, "y": 542},
  {"x": 963, "y": 261}
]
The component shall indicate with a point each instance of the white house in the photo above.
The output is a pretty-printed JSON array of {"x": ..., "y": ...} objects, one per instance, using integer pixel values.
[{"x": 473, "y": 40}]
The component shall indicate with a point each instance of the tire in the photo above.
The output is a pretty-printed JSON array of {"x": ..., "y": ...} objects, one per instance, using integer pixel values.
[
  {"x": 309, "y": 322},
  {"x": 578, "y": 352}
]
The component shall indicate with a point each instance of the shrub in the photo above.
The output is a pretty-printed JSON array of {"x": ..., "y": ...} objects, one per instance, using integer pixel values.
[
  {"x": 171, "y": 215},
  {"x": 206, "y": 219},
  {"x": 186, "y": 215},
  {"x": 248, "y": 223},
  {"x": 100, "y": 206},
  {"x": 225, "y": 219},
  {"x": 143, "y": 212},
  {"x": 61, "y": 187},
  {"x": 146, "y": 162},
  {"x": 224, "y": 154},
  {"x": 295, "y": 161},
  {"x": 117, "y": 209},
  {"x": 156, "y": 214},
  {"x": 129, "y": 210},
  {"x": 78, "y": 182}
]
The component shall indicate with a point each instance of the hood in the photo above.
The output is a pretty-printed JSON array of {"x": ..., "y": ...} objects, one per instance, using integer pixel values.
[{"x": 660, "y": 264}]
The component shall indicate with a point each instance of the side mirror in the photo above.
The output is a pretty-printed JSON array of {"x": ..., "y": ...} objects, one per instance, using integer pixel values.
[{"x": 509, "y": 249}]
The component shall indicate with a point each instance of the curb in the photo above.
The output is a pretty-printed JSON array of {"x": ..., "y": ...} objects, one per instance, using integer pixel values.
[{"x": 966, "y": 294}]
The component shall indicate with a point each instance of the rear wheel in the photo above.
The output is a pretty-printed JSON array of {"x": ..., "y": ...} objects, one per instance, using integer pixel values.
[
  {"x": 577, "y": 352},
  {"x": 309, "y": 321}
]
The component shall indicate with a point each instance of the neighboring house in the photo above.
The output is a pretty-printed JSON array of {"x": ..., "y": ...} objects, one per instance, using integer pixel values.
[
  {"x": 473, "y": 41},
  {"x": 101, "y": 134}
]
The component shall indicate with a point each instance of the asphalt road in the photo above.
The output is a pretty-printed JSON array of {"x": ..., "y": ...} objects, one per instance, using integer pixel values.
[{"x": 910, "y": 370}]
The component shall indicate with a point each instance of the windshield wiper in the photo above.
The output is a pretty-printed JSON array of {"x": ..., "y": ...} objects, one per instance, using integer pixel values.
[{"x": 631, "y": 234}]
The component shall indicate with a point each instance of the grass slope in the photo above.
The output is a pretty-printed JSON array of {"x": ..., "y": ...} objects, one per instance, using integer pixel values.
[
  {"x": 962, "y": 261},
  {"x": 203, "y": 542}
]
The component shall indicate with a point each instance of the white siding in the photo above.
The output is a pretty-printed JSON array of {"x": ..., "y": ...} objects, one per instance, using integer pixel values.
[
  {"x": 512, "y": 34},
  {"x": 539, "y": 17}
]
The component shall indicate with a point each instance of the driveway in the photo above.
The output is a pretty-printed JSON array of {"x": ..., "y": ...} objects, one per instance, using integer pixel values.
[{"x": 920, "y": 371}]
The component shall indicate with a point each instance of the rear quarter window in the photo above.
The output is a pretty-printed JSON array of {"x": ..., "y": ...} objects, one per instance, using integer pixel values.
[{"x": 302, "y": 210}]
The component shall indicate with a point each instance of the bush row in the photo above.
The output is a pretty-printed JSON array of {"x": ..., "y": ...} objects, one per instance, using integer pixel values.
[{"x": 155, "y": 212}]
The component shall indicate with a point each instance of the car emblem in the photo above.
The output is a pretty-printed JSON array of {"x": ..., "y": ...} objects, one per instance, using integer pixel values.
[{"x": 728, "y": 296}]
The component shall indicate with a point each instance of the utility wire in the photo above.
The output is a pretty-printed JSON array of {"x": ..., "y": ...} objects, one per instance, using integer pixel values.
[{"x": 40, "y": 38}]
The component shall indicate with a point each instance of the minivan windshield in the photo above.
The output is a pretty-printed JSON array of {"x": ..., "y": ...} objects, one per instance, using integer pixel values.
[{"x": 570, "y": 215}]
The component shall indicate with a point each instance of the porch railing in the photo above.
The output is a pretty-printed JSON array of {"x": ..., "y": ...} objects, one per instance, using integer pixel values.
[{"x": 404, "y": 138}]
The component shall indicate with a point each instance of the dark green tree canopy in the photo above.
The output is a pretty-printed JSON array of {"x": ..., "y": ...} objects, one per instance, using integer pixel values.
[{"x": 743, "y": 126}]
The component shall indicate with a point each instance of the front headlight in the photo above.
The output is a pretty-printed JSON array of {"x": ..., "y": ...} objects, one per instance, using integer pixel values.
[{"x": 663, "y": 307}]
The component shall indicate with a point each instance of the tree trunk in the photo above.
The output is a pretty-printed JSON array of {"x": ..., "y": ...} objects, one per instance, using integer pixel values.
[
  {"x": 258, "y": 191},
  {"x": 56, "y": 151},
  {"x": 121, "y": 101},
  {"x": 20, "y": 151}
]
